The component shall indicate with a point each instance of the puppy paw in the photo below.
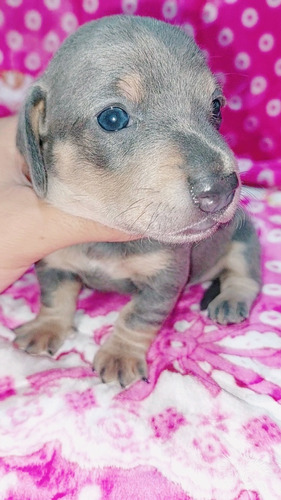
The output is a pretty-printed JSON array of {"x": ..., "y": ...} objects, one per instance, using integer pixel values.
[
  {"x": 116, "y": 361},
  {"x": 228, "y": 308},
  {"x": 37, "y": 337}
]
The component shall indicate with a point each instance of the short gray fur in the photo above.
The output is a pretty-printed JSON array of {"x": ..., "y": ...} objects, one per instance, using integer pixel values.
[{"x": 174, "y": 111}]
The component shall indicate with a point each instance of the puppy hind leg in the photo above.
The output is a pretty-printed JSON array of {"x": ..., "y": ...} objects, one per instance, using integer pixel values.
[
  {"x": 240, "y": 280},
  {"x": 46, "y": 333}
]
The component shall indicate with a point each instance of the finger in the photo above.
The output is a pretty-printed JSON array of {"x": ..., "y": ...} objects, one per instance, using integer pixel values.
[{"x": 63, "y": 230}]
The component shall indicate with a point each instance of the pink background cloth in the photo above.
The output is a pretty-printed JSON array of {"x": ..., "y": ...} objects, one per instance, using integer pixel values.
[
  {"x": 241, "y": 40},
  {"x": 208, "y": 425}
]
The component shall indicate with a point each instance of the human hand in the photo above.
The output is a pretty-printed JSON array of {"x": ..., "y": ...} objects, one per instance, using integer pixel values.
[{"x": 29, "y": 227}]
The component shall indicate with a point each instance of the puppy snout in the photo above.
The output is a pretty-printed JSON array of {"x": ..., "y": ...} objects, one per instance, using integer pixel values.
[{"x": 212, "y": 195}]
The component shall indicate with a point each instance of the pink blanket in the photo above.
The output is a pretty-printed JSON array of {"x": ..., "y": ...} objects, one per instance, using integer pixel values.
[{"x": 208, "y": 425}]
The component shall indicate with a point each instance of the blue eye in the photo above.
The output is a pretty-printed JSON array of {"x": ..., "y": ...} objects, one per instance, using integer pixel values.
[
  {"x": 216, "y": 108},
  {"x": 113, "y": 119},
  {"x": 216, "y": 113}
]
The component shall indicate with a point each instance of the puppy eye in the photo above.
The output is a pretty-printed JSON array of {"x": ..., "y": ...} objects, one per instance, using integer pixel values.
[
  {"x": 216, "y": 108},
  {"x": 113, "y": 119},
  {"x": 216, "y": 113}
]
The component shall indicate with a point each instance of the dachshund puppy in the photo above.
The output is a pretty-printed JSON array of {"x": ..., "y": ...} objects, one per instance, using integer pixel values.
[{"x": 122, "y": 128}]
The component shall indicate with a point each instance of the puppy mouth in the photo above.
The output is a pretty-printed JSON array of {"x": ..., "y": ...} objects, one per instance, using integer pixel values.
[
  {"x": 192, "y": 234},
  {"x": 202, "y": 229}
]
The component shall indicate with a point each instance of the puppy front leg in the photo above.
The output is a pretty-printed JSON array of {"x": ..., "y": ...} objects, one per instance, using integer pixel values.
[
  {"x": 46, "y": 333},
  {"x": 122, "y": 357},
  {"x": 240, "y": 280}
]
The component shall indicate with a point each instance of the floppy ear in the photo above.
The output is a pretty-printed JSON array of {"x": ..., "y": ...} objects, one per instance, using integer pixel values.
[{"x": 29, "y": 141}]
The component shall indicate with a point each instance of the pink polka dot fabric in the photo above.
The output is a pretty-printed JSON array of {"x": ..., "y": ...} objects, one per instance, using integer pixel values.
[
  {"x": 208, "y": 424},
  {"x": 241, "y": 40}
]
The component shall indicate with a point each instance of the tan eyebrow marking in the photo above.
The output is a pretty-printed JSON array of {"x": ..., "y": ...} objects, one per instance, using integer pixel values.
[{"x": 130, "y": 85}]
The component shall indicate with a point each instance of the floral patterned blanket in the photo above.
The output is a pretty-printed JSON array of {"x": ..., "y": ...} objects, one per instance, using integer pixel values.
[{"x": 207, "y": 426}]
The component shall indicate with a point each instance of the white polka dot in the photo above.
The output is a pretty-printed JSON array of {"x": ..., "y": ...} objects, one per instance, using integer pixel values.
[
  {"x": 266, "y": 42},
  {"x": 209, "y": 13},
  {"x": 181, "y": 326},
  {"x": 272, "y": 289},
  {"x": 266, "y": 175},
  {"x": 51, "y": 42},
  {"x": 251, "y": 123},
  {"x": 1, "y": 57},
  {"x": 194, "y": 307},
  {"x": 32, "y": 61},
  {"x": 235, "y": 103},
  {"x": 176, "y": 344},
  {"x": 277, "y": 67},
  {"x": 273, "y": 107},
  {"x": 14, "y": 3},
  {"x": 129, "y": 6},
  {"x": 14, "y": 40},
  {"x": 273, "y": 3},
  {"x": 274, "y": 266},
  {"x": 274, "y": 199},
  {"x": 52, "y": 4},
  {"x": 210, "y": 328},
  {"x": 258, "y": 85},
  {"x": 276, "y": 219},
  {"x": 274, "y": 236},
  {"x": 266, "y": 144},
  {"x": 255, "y": 207},
  {"x": 33, "y": 20},
  {"x": 169, "y": 9},
  {"x": 225, "y": 37},
  {"x": 90, "y": 5},
  {"x": 69, "y": 22},
  {"x": 2, "y": 18},
  {"x": 272, "y": 318},
  {"x": 244, "y": 164},
  {"x": 242, "y": 60},
  {"x": 188, "y": 29},
  {"x": 90, "y": 491},
  {"x": 230, "y": 1},
  {"x": 249, "y": 18}
]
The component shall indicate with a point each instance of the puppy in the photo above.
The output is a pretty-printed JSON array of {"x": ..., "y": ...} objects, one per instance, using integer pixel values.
[{"x": 123, "y": 128}]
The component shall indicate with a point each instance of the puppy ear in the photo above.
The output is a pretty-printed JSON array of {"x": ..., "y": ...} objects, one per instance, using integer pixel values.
[{"x": 29, "y": 139}]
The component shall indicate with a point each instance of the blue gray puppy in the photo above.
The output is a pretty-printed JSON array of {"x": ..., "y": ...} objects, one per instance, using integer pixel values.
[{"x": 123, "y": 128}]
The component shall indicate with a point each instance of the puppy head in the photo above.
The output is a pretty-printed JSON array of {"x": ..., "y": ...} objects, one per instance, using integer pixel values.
[{"x": 122, "y": 128}]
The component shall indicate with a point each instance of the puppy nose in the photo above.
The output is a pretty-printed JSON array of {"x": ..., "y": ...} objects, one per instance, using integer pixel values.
[{"x": 215, "y": 194}]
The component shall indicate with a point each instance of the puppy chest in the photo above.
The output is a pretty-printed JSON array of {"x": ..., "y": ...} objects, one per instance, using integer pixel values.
[
  {"x": 133, "y": 267},
  {"x": 107, "y": 268}
]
